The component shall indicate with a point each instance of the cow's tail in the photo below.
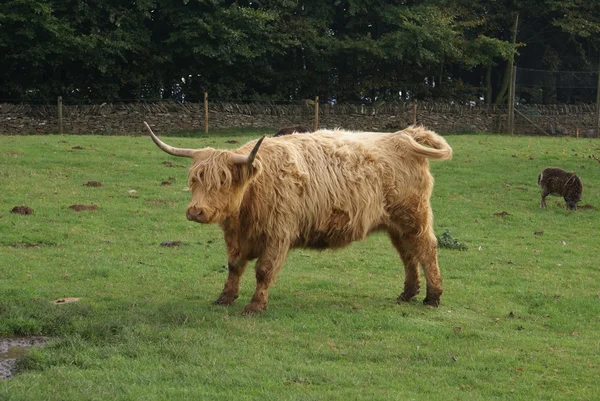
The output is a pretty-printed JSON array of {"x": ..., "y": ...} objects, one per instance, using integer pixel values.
[{"x": 437, "y": 148}]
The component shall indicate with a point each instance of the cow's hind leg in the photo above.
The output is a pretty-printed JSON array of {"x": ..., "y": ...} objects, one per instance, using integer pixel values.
[
  {"x": 268, "y": 266},
  {"x": 419, "y": 248},
  {"x": 232, "y": 285},
  {"x": 411, "y": 267},
  {"x": 543, "y": 201}
]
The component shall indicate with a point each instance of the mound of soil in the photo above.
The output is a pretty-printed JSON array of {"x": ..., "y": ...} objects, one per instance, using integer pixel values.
[
  {"x": 161, "y": 201},
  {"x": 79, "y": 208},
  {"x": 93, "y": 184},
  {"x": 26, "y": 245},
  {"x": 22, "y": 210},
  {"x": 169, "y": 164}
]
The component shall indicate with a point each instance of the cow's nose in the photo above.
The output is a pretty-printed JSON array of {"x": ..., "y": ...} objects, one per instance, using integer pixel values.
[{"x": 195, "y": 214}]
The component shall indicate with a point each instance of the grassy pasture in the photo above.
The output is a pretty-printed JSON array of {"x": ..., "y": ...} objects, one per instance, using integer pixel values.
[{"x": 519, "y": 319}]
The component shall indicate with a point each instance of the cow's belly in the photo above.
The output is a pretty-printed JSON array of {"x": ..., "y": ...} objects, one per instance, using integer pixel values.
[{"x": 335, "y": 237}]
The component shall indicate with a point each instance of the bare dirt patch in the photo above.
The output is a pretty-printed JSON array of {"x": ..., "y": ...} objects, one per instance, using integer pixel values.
[
  {"x": 11, "y": 349},
  {"x": 93, "y": 184},
  {"x": 77, "y": 147},
  {"x": 80, "y": 208},
  {"x": 587, "y": 206},
  {"x": 501, "y": 214},
  {"x": 22, "y": 210},
  {"x": 171, "y": 244},
  {"x": 66, "y": 300}
]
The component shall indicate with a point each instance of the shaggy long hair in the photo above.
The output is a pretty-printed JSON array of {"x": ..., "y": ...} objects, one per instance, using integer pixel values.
[{"x": 319, "y": 191}]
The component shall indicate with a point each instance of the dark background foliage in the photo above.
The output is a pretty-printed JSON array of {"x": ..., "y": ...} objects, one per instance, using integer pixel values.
[{"x": 284, "y": 50}]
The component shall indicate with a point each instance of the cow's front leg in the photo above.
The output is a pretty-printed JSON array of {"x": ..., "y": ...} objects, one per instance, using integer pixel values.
[
  {"x": 267, "y": 267},
  {"x": 232, "y": 284}
]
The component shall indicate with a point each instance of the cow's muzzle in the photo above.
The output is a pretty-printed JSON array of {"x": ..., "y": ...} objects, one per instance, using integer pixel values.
[{"x": 197, "y": 215}]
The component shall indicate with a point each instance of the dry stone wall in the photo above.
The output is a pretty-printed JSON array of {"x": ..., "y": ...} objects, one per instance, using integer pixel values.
[{"x": 127, "y": 119}]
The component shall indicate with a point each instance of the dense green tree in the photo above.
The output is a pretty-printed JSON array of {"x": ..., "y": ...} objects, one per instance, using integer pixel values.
[{"x": 289, "y": 50}]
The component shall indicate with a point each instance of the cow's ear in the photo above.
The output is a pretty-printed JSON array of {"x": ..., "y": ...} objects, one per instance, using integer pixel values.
[{"x": 241, "y": 173}]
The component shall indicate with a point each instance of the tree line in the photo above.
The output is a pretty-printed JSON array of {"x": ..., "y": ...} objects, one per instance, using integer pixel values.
[{"x": 342, "y": 50}]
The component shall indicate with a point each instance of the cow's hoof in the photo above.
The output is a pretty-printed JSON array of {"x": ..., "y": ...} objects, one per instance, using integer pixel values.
[
  {"x": 407, "y": 296},
  {"x": 433, "y": 302},
  {"x": 253, "y": 308},
  {"x": 225, "y": 299}
]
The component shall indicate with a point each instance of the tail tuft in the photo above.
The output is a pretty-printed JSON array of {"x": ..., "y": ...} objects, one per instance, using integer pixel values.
[{"x": 437, "y": 148}]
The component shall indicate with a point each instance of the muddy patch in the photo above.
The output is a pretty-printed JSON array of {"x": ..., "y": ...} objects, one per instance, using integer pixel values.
[
  {"x": 77, "y": 147},
  {"x": 80, "y": 208},
  {"x": 11, "y": 349},
  {"x": 22, "y": 210},
  {"x": 500, "y": 214},
  {"x": 93, "y": 184}
]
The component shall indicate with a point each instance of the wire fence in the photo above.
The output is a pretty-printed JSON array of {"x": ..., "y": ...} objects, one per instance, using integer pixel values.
[{"x": 571, "y": 95}]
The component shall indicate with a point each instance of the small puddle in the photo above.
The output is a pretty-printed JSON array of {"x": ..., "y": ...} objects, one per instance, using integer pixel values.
[{"x": 11, "y": 349}]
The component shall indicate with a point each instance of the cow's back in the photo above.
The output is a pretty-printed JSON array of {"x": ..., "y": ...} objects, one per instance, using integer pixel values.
[{"x": 333, "y": 187}]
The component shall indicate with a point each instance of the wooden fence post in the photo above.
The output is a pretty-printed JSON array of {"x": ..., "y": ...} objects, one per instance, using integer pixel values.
[
  {"x": 511, "y": 101},
  {"x": 512, "y": 70},
  {"x": 598, "y": 105},
  {"x": 206, "y": 112},
  {"x": 414, "y": 113},
  {"x": 60, "y": 115},
  {"x": 316, "y": 123}
]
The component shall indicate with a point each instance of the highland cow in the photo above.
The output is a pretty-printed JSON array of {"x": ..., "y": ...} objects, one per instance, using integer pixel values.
[
  {"x": 318, "y": 191},
  {"x": 296, "y": 129},
  {"x": 556, "y": 181}
]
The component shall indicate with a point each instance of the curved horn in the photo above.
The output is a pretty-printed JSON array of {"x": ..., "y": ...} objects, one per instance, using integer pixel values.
[
  {"x": 241, "y": 159},
  {"x": 169, "y": 149}
]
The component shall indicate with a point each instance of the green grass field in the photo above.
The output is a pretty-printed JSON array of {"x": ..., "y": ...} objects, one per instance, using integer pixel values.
[{"x": 519, "y": 319}]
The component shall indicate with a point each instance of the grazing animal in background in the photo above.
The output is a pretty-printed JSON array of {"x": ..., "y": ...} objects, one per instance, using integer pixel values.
[
  {"x": 556, "y": 181},
  {"x": 318, "y": 191},
  {"x": 296, "y": 129}
]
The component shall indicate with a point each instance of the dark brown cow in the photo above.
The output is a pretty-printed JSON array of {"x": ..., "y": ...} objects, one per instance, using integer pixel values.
[
  {"x": 296, "y": 129},
  {"x": 556, "y": 181},
  {"x": 318, "y": 191}
]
